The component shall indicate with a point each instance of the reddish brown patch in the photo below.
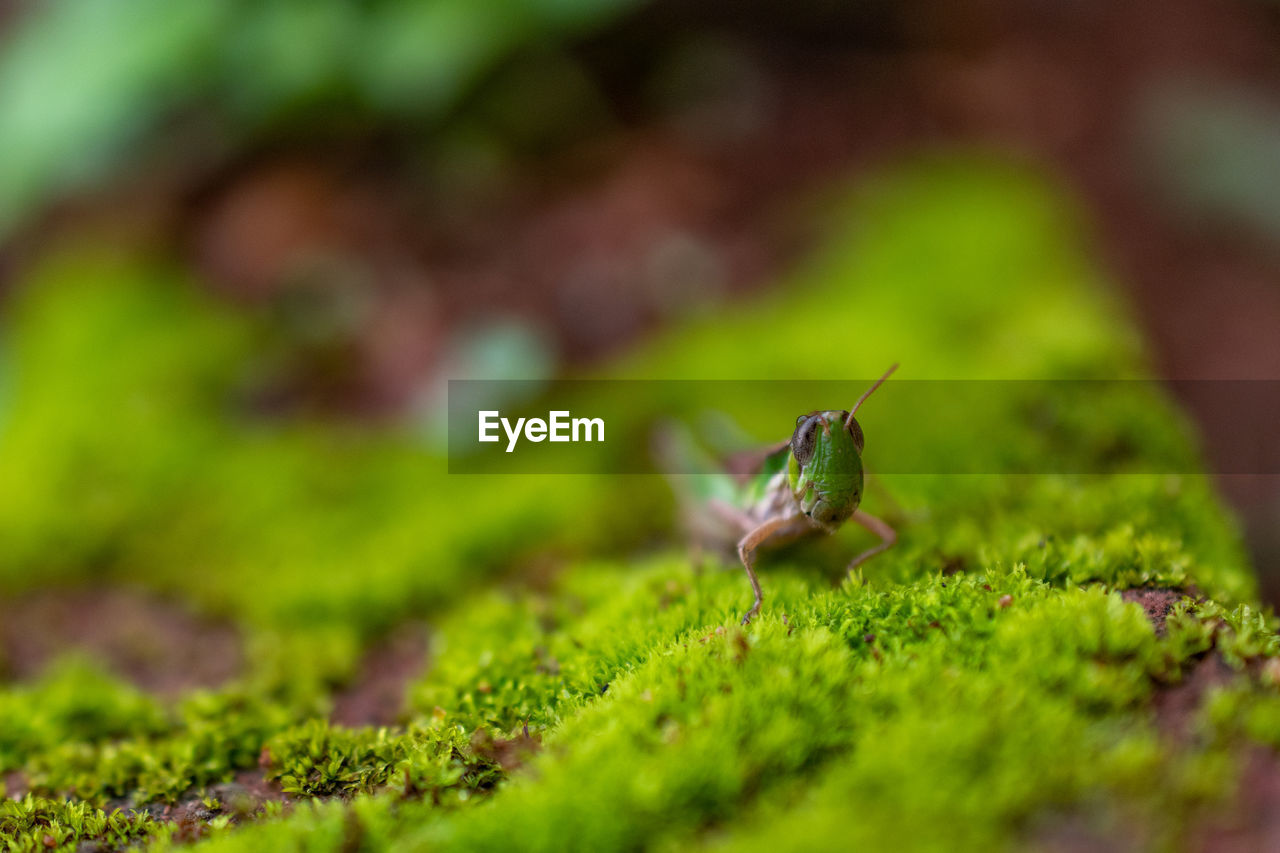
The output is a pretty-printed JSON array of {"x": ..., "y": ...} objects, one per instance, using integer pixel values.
[
  {"x": 191, "y": 817},
  {"x": 1252, "y": 822},
  {"x": 1156, "y": 603},
  {"x": 377, "y": 696},
  {"x": 1176, "y": 705},
  {"x": 1080, "y": 832},
  {"x": 249, "y": 792},
  {"x": 508, "y": 753},
  {"x": 159, "y": 645},
  {"x": 242, "y": 800},
  {"x": 15, "y": 784}
]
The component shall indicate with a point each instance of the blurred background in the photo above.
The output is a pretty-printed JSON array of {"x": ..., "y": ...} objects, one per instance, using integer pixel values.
[{"x": 388, "y": 194}]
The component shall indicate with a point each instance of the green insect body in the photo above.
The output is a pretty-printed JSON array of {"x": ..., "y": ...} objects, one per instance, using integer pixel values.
[{"x": 810, "y": 484}]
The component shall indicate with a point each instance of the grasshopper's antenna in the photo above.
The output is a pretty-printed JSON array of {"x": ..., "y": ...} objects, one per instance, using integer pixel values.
[{"x": 849, "y": 421}]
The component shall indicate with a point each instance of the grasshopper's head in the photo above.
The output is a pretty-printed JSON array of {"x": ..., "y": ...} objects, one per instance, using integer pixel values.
[{"x": 825, "y": 468}]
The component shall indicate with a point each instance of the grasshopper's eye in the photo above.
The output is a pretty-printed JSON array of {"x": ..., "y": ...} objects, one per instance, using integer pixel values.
[
  {"x": 855, "y": 430},
  {"x": 802, "y": 439}
]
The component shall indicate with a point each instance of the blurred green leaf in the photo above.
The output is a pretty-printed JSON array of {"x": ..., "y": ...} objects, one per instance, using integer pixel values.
[{"x": 86, "y": 85}]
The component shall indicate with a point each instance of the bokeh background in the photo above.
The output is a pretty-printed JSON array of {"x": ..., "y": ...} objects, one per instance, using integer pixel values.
[
  {"x": 404, "y": 192},
  {"x": 244, "y": 245}
]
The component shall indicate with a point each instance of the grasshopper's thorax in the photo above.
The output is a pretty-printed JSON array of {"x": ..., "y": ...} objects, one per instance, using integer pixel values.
[{"x": 825, "y": 468}]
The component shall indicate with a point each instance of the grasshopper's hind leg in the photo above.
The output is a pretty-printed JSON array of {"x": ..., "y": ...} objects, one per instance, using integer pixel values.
[
  {"x": 888, "y": 536},
  {"x": 714, "y": 528}
]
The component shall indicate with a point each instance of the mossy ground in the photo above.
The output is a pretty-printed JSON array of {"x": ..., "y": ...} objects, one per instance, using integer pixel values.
[{"x": 982, "y": 685}]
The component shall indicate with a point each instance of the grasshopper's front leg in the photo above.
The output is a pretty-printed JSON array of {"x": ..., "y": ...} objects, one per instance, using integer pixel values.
[
  {"x": 747, "y": 551},
  {"x": 888, "y": 536}
]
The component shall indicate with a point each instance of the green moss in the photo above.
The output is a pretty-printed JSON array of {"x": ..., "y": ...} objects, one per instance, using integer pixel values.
[
  {"x": 966, "y": 690},
  {"x": 319, "y": 760},
  {"x": 927, "y": 689},
  {"x": 34, "y": 824},
  {"x": 207, "y": 738},
  {"x": 72, "y": 701}
]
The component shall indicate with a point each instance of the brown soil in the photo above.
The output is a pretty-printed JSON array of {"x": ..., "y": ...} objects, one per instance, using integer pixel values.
[
  {"x": 15, "y": 784},
  {"x": 508, "y": 753},
  {"x": 1176, "y": 705},
  {"x": 1156, "y": 603},
  {"x": 242, "y": 799},
  {"x": 1252, "y": 822},
  {"x": 154, "y": 643},
  {"x": 1087, "y": 833},
  {"x": 377, "y": 697}
]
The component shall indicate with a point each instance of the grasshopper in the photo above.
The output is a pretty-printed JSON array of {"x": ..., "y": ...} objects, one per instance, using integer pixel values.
[{"x": 809, "y": 484}]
